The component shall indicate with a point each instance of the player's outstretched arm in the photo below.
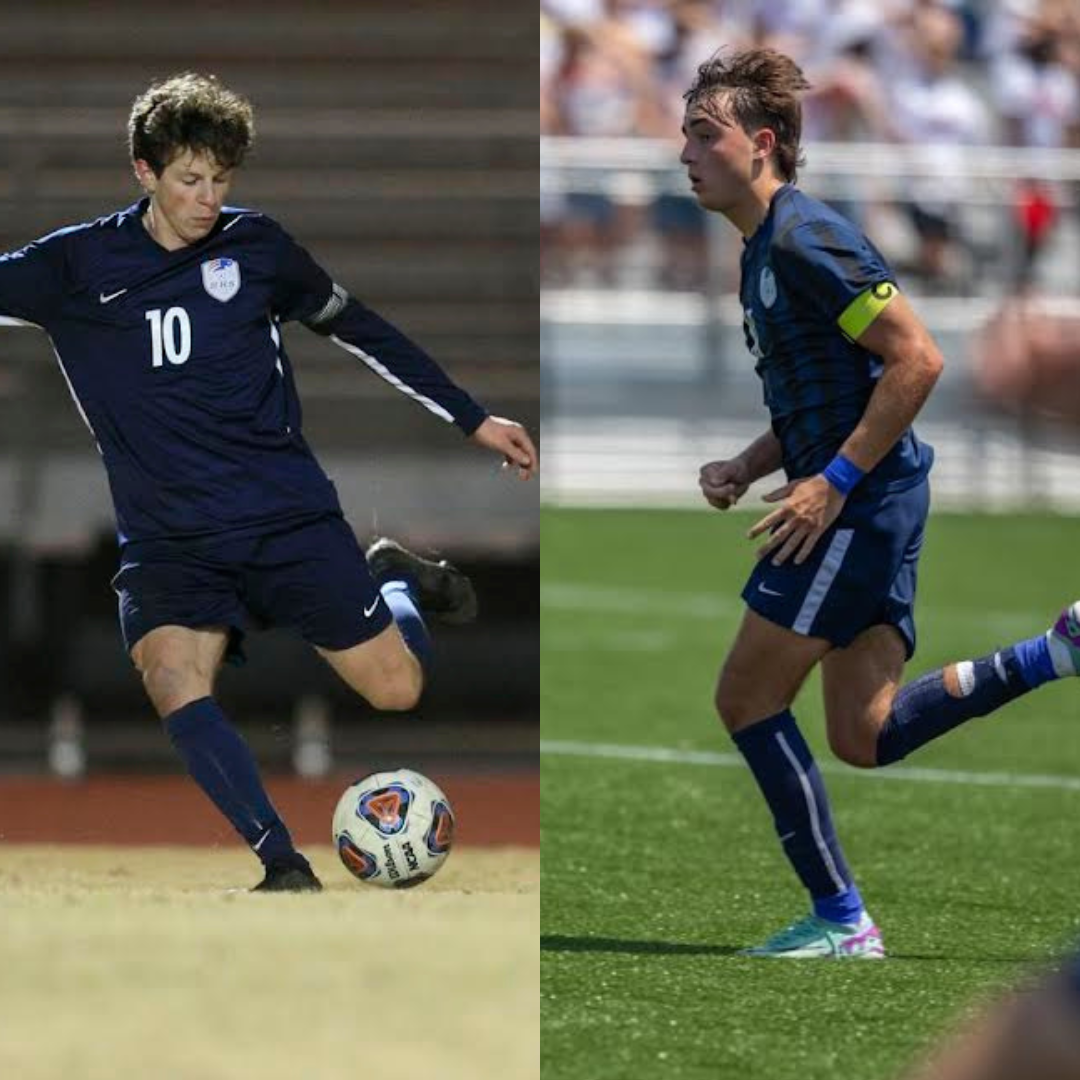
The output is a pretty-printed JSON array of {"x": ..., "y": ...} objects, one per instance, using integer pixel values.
[
  {"x": 32, "y": 281},
  {"x": 724, "y": 483},
  {"x": 304, "y": 291},
  {"x": 509, "y": 438}
]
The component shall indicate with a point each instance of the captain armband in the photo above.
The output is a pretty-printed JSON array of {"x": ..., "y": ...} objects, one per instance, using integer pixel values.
[
  {"x": 865, "y": 308},
  {"x": 333, "y": 307}
]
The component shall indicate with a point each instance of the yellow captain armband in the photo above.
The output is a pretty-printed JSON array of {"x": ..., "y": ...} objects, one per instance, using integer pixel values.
[{"x": 865, "y": 308}]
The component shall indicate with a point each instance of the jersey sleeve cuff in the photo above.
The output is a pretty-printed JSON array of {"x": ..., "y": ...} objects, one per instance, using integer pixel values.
[{"x": 471, "y": 417}]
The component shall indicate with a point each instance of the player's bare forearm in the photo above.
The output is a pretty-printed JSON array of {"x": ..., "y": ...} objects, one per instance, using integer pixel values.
[
  {"x": 763, "y": 456},
  {"x": 900, "y": 393},
  {"x": 912, "y": 365}
]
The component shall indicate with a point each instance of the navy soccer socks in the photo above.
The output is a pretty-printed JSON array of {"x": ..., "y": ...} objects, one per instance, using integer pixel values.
[
  {"x": 924, "y": 709},
  {"x": 789, "y": 779},
  {"x": 400, "y": 597},
  {"x": 221, "y": 764}
]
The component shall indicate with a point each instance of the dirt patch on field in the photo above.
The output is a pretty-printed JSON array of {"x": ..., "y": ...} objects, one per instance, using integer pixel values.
[{"x": 497, "y": 809}]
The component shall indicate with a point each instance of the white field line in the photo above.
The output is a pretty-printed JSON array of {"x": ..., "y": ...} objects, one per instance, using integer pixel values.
[
  {"x": 668, "y": 756},
  {"x": 578, "y": 640},
  {"x": 630, "y": 600},
  {"x": 616, "y": 600}
]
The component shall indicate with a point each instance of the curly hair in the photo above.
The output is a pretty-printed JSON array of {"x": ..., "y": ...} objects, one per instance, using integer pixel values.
[
  {"x": 756, "y": 88},
  {"x": 190, "y": 112}
]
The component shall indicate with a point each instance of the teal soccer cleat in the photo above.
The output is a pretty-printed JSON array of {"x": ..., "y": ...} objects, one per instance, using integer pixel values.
[{"x": 817, "y": 938}]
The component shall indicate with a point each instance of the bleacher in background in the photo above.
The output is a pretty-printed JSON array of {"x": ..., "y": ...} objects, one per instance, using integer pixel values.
[{"x": 397, "y": 141}]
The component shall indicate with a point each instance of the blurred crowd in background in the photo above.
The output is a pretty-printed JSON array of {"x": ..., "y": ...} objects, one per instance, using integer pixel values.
[{"x": 919, "y": 73}]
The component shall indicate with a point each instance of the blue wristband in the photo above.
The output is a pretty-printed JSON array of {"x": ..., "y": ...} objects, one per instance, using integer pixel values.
[{"x": 843, "y": 474}]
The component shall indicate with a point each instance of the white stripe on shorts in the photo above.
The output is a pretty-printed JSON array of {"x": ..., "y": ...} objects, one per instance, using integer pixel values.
[{"x": 823, "y": 579}]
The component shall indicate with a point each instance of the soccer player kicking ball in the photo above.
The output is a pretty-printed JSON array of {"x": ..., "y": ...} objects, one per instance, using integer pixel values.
[
  {"x": 166, "y": 320},
  {"x": 846, "y": 366}
]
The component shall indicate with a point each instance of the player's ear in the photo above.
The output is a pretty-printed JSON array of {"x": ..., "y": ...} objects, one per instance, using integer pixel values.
[
  {"x": 144, "y": 173},
  {"x": 764, "y": 143}
]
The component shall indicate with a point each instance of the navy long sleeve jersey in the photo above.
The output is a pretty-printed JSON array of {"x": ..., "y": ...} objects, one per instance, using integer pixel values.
[{"x": 176, "y": 362}]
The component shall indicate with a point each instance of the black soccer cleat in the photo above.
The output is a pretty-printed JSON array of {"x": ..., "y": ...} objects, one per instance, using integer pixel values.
[
  {"x": 289, "y": 875},
  {"x": 444, "y": 590}
]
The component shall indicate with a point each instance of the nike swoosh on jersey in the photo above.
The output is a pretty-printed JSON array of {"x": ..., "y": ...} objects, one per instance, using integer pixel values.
[
  {"x": 768, "y": 592},
  {"x": 368, "y": 612},
  {"x": 106, "y": 297}
]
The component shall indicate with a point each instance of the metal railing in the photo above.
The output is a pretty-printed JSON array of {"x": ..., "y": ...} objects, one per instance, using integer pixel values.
[{"x": 643, "y": 382}]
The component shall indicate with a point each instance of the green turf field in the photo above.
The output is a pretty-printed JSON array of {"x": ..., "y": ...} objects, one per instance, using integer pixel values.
[
  {"x": 138, "y": 964},
  {"x": 654, "y": 872}
]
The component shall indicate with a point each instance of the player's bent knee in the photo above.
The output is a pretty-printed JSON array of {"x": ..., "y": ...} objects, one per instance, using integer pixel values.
[
  {"x": 743, "y": 698},
  {"x": 856, "y": 750},
  {"x": 727, "y": 710},
  {"x": 171, "y": 687},
  {"x": 398, "y": 694},
  {"x": 382, "y": 671},
  {"x": 736, "y": 707}
]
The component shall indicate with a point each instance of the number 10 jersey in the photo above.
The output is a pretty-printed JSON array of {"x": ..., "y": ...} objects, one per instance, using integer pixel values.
[{"x": 176, "y": 362}]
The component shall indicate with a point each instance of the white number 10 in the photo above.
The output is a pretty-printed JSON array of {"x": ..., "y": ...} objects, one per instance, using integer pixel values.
[{"x": 164, "y": 337}]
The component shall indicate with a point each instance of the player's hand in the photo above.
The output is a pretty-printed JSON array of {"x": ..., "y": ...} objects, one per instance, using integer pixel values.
[
  {"x": 724, "y": 483},
  {"x": 809, "y": 507},
  {"x": 509, "y": 438}
]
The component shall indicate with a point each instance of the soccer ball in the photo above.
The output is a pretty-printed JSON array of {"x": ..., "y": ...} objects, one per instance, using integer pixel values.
[{"x": 393, "y": 829}]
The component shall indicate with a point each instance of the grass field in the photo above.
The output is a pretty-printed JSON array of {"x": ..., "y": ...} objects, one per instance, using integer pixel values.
[
  {"x": 125, "y": 963},
  {"x": 657, "y": 867}
]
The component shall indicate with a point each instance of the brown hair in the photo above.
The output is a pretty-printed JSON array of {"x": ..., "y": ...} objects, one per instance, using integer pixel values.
[
  {"x": 760, "y": 89},
  {"x": 190, "y": 112}
]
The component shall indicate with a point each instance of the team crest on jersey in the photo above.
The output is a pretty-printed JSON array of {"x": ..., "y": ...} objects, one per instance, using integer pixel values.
[
  {"x": 221, "y": 278},
  {"x": 767, "y": 287}
]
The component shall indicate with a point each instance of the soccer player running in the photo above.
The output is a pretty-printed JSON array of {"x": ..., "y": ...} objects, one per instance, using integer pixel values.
[
  {"x": 846, "y": 366},
  {"x": 166, "y": 320}
]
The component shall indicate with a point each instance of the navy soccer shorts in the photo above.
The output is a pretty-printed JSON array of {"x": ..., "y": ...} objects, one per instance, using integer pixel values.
[
  {"x": 861, "y": 573},
  {"x": 311, "y": 578}
]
